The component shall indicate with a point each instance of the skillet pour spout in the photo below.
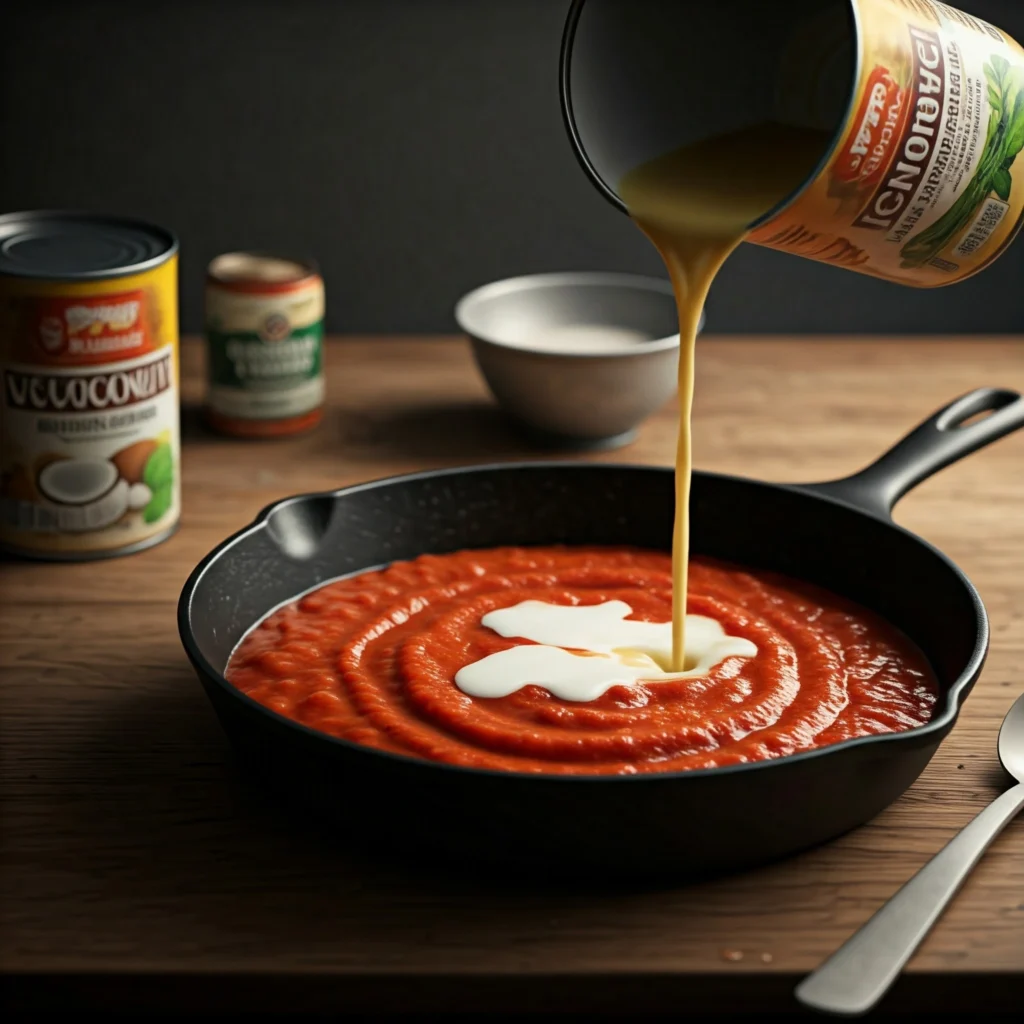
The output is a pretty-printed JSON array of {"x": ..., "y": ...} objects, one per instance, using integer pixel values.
[{"x": 837, "y": 534}]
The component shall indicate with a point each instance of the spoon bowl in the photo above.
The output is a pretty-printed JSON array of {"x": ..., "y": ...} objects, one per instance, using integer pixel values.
[
  {"x": 861, "y": 971},
  {"x": 1011, "y": 740}
]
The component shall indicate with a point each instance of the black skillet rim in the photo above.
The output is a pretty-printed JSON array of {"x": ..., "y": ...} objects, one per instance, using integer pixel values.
[{"x": 955, "y": 695}]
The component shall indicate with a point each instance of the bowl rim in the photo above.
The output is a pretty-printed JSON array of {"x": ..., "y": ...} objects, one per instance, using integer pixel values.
[
  {"x": 922, "y": 735},
  {"x": 559, "y": 279}
]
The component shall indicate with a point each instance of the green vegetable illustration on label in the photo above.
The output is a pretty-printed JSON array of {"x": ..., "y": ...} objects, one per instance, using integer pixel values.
[
  {"x": 158, "y": 476},
  {"x": 1003, "y": 142}
]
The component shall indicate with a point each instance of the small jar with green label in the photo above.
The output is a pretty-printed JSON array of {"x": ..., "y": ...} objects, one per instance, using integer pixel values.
[{"x": 264, "y": 337}]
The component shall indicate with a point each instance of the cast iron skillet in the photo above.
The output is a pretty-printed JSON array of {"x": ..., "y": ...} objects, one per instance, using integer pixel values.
[{"x": 837, "y": 534}]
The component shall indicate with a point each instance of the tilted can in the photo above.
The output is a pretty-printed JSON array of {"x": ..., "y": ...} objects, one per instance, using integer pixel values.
[
  {"x": 264, "y": 337},
  {"x": 922, "y": 182},
  {"x": 89, "y": 445}
]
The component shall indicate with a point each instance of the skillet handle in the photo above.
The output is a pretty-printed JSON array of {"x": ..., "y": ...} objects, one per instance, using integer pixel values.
[{"x": 935, "y": 444}]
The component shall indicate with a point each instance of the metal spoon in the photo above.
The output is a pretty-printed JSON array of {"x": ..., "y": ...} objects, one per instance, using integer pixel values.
[{"x": 860, "y": 972}]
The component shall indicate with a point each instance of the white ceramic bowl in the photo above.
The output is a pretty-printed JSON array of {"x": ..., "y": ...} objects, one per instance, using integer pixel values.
[{"x": 573, "y": 392}]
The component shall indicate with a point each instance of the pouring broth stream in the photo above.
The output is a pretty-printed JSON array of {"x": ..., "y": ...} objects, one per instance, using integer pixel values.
[{"x": 696, "y": 204}]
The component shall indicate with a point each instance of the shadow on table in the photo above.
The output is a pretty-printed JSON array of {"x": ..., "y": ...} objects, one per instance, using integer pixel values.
[
  {"x": 459, "y": 430},
  {"x": 194, "y": 429},
  {"x": 436, "y": 431},
  {"x": 152, "y": 810},
  {"x": 154, "y": 840}
]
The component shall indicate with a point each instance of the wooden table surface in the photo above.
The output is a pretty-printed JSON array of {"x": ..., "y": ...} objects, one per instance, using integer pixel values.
[{"x": 138, "y": 868}]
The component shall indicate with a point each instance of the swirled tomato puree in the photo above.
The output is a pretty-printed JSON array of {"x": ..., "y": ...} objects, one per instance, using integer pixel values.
[{"x": 373, "y": 659}]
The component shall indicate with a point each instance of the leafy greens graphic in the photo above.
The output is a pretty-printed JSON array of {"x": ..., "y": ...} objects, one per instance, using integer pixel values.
[
  {"x": 158, "y": 475},
  {"x": 1004, "y": 141}
]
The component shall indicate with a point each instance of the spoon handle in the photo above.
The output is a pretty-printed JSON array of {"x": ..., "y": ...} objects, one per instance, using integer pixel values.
[{"x": 859, "y": 973}]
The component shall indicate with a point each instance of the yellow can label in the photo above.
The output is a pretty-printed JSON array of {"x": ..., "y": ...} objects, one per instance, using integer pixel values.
[
  {"x": 924, "y": 186},
  {"x": 90, "y": 447}
]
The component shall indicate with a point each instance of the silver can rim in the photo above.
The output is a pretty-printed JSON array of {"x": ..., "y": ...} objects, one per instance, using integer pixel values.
[
  {"x": 165, "y": 235},
  {"x": 100, "y": 554}
]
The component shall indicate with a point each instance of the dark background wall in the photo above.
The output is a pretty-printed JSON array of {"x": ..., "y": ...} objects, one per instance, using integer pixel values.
[{"x": 415, "y": 147}]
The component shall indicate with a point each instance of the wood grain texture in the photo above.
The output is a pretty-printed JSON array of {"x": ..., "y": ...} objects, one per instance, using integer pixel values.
[{"x": 131, "y": 845}]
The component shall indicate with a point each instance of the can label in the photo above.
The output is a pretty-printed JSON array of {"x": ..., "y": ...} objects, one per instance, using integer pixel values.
[
  {"x": 89, "y": 408},
  {"x": 924, "y": 186},
  {"x": 265, "y": 351}
]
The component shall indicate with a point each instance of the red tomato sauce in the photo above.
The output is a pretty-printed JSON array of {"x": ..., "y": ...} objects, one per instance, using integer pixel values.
[{"x": 372, "y": 659}]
